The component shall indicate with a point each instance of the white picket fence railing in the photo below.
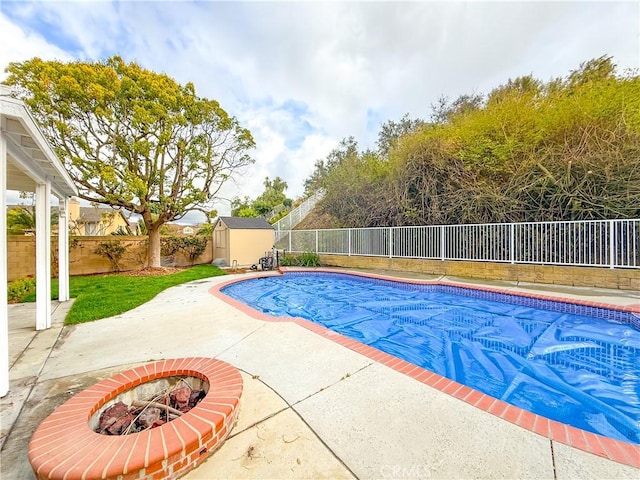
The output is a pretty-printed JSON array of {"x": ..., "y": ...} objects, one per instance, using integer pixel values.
[
  {"x": 297, "y": 214},
  {"x": 600, "y": 243}
]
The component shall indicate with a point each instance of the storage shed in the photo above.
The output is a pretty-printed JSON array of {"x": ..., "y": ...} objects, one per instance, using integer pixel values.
[{"x": 241, "y": 240}]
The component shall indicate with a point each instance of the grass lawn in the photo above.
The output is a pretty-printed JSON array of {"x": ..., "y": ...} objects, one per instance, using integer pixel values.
[{"x": 104, "y": 296}]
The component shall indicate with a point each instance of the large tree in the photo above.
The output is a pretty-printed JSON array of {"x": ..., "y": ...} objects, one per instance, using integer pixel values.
[
  {"x": 347, "y": 148},
  {"x": 272, "y": 197},
  {"x": 132, "y": 138}
]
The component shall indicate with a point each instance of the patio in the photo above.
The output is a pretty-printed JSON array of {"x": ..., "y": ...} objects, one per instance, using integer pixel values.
[{"x": 311, "y": 408}]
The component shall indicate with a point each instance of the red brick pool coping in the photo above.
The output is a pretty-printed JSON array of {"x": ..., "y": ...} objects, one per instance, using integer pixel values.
[
  {"x": 616, "y": 450},
  {"x": 65, "y": 447}
]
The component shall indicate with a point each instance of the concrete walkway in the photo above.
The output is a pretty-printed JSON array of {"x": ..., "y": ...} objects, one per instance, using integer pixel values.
[{"x": 310, "y": 408}]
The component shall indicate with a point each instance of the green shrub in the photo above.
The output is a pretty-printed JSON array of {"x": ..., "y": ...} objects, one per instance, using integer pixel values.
[
  {"x": 206, "y": 229},
  {"x": 306, "y": 259},
  {"x": 193, "y": 247},
  {"x": 113, "y": 251},
  {"x": 309, "y": 259},
  {"x": 278, "y": 216},
  {"x": 287, "y": 261},
  {"x": 18, "y": 289},
  {"x": 122, "y": 231},
  {"x": 169, "y": 245}
]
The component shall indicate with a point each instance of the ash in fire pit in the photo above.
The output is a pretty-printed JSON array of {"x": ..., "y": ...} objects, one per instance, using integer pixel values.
[{"x": 149, "y": 405}]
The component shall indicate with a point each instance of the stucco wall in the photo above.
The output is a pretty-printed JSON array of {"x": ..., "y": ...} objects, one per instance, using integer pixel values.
[
  {"x": 21, "y": 256},
  {"x": 82, "y": 260},
  {"x": 624, "y": 279}
]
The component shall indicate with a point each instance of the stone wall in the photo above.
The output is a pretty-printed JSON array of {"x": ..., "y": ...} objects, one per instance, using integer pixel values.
[
  {"x": 619, "y": 278},
  {"x": 21, "y": 253}
]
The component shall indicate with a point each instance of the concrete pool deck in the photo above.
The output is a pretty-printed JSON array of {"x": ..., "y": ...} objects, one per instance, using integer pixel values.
[{"x": 311, "y": 408}]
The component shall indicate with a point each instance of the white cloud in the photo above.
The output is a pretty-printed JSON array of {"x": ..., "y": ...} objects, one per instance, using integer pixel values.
[
  {"x": 303, "y": 75},
  {"x": 16, "y": 45}
]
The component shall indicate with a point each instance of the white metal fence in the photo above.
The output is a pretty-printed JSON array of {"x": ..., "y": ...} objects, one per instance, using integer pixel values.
[
  {"x": 600, "y": 243},
  {"x": 297, "y": 214}
]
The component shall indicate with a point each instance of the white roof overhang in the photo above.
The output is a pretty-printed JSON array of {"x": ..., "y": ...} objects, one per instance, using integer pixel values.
[{"x": 30, "y": 158}]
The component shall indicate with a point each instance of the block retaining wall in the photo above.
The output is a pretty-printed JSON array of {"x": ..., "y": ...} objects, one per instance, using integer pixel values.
[
  {"x": 21, "y": 255},
  {"x": 600, "y": 277}
]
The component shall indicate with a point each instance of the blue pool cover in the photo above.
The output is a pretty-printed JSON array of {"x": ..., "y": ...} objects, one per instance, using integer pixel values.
[{"x": 574, "y": 368}]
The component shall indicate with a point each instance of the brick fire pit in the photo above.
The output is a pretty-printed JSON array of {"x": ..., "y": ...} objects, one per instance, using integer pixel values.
[{"x": 65, "y": 446}]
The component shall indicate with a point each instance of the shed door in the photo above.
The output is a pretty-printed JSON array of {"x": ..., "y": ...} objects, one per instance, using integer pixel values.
[{"x": 221, "y": 249}]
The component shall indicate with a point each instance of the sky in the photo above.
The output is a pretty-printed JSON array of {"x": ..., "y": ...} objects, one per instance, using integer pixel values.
[{"x": 303, "y": 75}]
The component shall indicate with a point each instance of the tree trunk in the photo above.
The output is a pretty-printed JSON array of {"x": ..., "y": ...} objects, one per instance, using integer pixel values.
[{"x": 154, "y": 248}]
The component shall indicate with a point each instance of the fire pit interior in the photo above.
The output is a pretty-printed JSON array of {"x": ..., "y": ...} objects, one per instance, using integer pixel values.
[
  {"x": 91, "y": 435},
  {"x": 149, "y": 405}
]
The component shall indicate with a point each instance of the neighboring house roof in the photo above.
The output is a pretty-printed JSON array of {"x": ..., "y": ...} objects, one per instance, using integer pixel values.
[
  {"x": 94, "y": 214},
  {"x": 241, "y": 223}
]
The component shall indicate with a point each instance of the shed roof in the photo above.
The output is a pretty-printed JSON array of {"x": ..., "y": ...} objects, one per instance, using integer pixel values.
[{"x": 241, "y": 223}]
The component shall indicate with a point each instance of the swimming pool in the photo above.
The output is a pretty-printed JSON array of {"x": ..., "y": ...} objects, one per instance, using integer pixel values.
[{"x": 575, "y": 364}]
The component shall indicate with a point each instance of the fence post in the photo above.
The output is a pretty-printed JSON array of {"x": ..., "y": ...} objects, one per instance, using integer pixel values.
[
  {"x": 390, "y": 242},
  {"x": 442, "y": 245},
  {"x": 316, "y": 241},
  {"x": 512, "y": 243},
  {"x": 290, "y": 235},
  {"x": 349, "y": 230},
  {"x": 612, "y": 244}
]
